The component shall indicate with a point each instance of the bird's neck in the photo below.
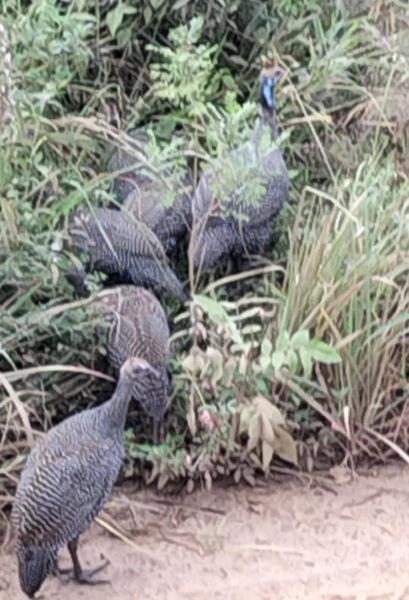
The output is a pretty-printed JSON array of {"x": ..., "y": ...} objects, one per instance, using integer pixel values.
[
  {"x": 267, "y": 120},
  {"x": 116, "y": 408}
]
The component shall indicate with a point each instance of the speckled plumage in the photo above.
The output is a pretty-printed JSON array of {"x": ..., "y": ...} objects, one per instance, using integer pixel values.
[
  {"x": 125, "y": 249},
  {"x": 68, "y": 477},
  {"x": 144, "y": 196},
  {"x": 139, "y": 327},
  {"x": 236, "y": 204}
]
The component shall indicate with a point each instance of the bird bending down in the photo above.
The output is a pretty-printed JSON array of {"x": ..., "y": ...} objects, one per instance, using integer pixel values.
[
  {"x": 236, "y": 203},
  {"x": 163, "y": 203},
  {"x": 68, "y": 477},
  {"x": 123, "y": 248},
  {"x": 138, "y": 327}
]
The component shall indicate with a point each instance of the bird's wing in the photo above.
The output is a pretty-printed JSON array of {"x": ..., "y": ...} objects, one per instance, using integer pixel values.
[{"x": 64, "y": 493}]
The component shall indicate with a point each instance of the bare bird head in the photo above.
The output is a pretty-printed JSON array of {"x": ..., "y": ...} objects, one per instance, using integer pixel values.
[
  {"x": 34, "y": 564},
  {"x": 150, "y": 386},
  {"x": 134, "y": 366},
  {"x": 270, "y": 76}
]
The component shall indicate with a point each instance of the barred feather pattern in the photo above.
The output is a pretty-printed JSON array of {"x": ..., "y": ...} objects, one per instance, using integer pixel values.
[
  {"x": 238, "y": 225},
  {"x": 139, "y": 327},
  {"x": 68, "y": 477},
  {"x": 125, "y": 249},
  {"x": 144, "y": 196}
]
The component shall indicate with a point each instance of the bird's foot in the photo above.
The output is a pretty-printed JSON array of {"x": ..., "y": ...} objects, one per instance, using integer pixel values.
[
  {"x": 83, "y": 577},
  {"x": 86, "y": 577}
]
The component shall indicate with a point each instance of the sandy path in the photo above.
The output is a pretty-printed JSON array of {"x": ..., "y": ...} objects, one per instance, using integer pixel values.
[{"x": 283, "y": 541}]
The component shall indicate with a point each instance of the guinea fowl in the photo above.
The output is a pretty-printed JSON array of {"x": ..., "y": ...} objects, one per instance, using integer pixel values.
[
  {"x": 138, "y": 327},
  {"x": 163, "y": 203},
  {"x": 67, "y": 479},
  {"x": 236, "y": 204},
  {"x": 125, "y": 249}
]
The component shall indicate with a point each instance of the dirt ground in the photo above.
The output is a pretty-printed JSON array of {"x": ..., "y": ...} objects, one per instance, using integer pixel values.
[{"x": 345, "y": 541}]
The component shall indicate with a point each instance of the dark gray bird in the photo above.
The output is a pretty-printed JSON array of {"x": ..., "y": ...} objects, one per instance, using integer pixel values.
[
  {"x": 68, "y": 477},
  {"x": 236, "y": 204},
  {"x": 162, "y": 202},
  {"x": 138, "y": 327},
  {"x": 123, "y": 248}
]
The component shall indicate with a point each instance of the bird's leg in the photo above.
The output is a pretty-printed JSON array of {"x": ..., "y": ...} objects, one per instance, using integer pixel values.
[
  {"x": 158, "y": 432},
  {"x": 85, "y": 577}
]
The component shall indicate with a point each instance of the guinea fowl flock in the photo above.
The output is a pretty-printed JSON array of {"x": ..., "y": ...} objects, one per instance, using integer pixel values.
[{"x": 70, "y": 473}]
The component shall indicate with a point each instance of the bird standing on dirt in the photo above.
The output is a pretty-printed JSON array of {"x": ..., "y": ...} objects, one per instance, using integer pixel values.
[
  {"x": 123, "y": 248},
  {"x": 68, "y": 477},
  {"x": 138, "y": 327},
  {"x": 236, "y": 203}
]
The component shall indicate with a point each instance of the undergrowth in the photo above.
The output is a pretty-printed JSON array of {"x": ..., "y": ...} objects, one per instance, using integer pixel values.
[{"x": 304, "y": 357}]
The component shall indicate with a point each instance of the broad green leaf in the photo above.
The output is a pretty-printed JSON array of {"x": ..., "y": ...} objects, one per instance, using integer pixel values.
[
  {"x": 115, "y": 16},
  {"x": 292, "y": 361},
  {"x": 147, "y": 15},
  {"x": 278, "y": 359},
  {"x": 300, "y": 338},
  {"x": 213, "y": 308},
  {"x": 266, "y": 347},
  {"x": 179, "y": 4},
  {"x": 283, "y": 341},
  {"x": 306, "y": 361},
  {"x": 323, "y": 352},
  {"x": 265, "y": 362}
]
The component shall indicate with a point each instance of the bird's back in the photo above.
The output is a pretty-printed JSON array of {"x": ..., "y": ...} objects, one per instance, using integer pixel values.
[
  {"x": 159, "y": 198},
  {"x": 248, "y": 183},
  {"x": 125, "y": 249},
  {"x": 67, "y": 478},
  {"x": 139, "y": 328}
]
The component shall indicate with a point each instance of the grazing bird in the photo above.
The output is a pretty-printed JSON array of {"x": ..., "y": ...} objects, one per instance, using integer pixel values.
[
  {"x": 236, "y": 204},
  {"x": 125, "y": 249},
  {"x": 67, "y": 479},
  {"x": 163, "y": 203},
  {"x": 138, "y": 327}
]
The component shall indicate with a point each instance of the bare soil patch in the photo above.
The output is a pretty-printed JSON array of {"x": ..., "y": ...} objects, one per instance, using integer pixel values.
[{"x": 274, "y": 542}]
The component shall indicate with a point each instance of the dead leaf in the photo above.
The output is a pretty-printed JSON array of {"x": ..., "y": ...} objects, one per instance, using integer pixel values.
[
  {"x": 284, "y": 446},
  {"x": 267, "y": 451},
  {"x": 254, "y": 432}
]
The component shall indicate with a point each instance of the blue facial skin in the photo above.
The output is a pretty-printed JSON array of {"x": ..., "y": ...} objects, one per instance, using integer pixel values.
[{"x": 268, "y": 85}]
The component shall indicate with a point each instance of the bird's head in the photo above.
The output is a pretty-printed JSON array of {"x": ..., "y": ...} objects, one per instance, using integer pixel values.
[
  {"x": 270, "y": 76},
  {"x": 134, "y": 366},
  {"x": 34, "y": 564}
]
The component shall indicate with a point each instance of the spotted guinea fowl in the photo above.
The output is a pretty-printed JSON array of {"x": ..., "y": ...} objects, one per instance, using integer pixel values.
[
  {"x": 123, "y": 248},
  {"x": 138, "y": 327},
  {"x": 236, "y": 204},
  {"x": 163, "y": 203},
  {"x": 67, "y": 479}
]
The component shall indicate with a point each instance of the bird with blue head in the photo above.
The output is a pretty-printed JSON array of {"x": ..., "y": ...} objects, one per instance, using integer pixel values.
[
  {"x": 239, "y": 198},
  {"x": 270, "y": 76}
]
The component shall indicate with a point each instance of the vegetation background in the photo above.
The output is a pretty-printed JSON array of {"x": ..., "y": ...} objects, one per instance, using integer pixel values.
[{"x": 304, "y": 358}]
